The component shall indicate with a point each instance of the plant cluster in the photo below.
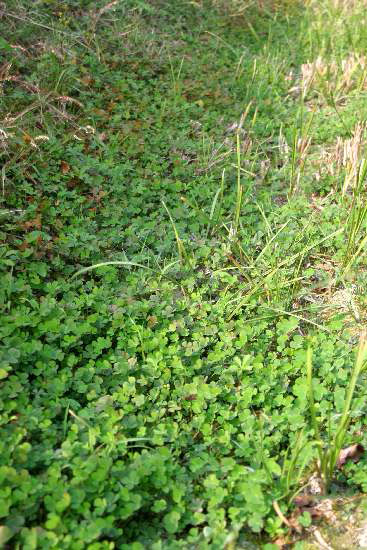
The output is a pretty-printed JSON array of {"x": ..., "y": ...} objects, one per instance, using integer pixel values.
[{"x": 168, "y": 258}]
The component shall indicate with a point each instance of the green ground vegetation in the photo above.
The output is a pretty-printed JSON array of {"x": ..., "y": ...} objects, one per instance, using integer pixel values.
[{"x": 182, "y": 216}]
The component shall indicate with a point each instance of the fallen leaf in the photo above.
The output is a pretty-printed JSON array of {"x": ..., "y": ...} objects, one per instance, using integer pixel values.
[
  {"x": 280, "y": 542},
  {"x": 304, "y": 503},
  {"x": 64, "y": 167},
  {"x": 301, "y": 501},
  {"x": 353, "y": 452},
  {"x": 34, "y": 223},
  {"x": 152, "y": 320},
  {"x": 23, "y": 246}
]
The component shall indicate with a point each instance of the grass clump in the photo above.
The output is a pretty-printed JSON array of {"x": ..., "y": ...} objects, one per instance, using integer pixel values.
[
  {"x": 328, "y": 458},
  {"x": 182, "y": 210}
]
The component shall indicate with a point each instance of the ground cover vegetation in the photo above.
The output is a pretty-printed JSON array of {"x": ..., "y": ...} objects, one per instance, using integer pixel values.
[{"x": 182, "y": 290}]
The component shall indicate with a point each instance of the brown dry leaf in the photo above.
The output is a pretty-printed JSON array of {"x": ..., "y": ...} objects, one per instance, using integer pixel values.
[
  {"x": 302, "y": 501},
  {"x": 27, "y": 139},
  {"x": 64, "y": 167},
  {"x": 353, "y": 452},
  {"x": 281, "y": 542},
  {"x": 34, "y": 223},
  {"x": 72, "y": 183},
  {"x": 307, "y": 503},
  {"x": 152, "y": 320},
  {"x": 190, "y": 397},
  {"x": 23, "y": 246}
]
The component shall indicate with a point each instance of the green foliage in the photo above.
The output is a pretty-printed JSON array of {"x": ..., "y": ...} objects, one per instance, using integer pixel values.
[
  {"x": 329, "y": 453},
  {"x": 162, "y": 274}
]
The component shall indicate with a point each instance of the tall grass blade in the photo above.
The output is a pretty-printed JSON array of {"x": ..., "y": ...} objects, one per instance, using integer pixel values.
[
  {"x": 104, "y": 264},
  {"x": 328, "y": 456},
  {"x": 180, "y": 246}
]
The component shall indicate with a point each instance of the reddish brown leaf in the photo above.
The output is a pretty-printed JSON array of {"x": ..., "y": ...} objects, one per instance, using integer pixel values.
[
  {"x": 27, "y": 138},
  {"x": 306, "y": 503},
  {"x": 73, "y": 182},
  {"x": 64, "y": 167},
  {"x": 353, "y": 452},
  {"x": 302, "y": 501},
  {"x": 23, "y": 246},
  {"x": 34, "y": 223}
]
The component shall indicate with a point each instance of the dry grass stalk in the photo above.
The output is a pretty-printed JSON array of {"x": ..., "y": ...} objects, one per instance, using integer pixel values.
[
  {"x": 332, "y": 79},
  {"x": 283, "y": 146},
  {"x": 233, "y": 7},
  {"x": 302, "y": 147},
  {"x": 348, "y": 5},
  {"x": 341, "y": 7},
  {"x": 344, "y": 157},
  {"x": 237, "y": 8}
]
